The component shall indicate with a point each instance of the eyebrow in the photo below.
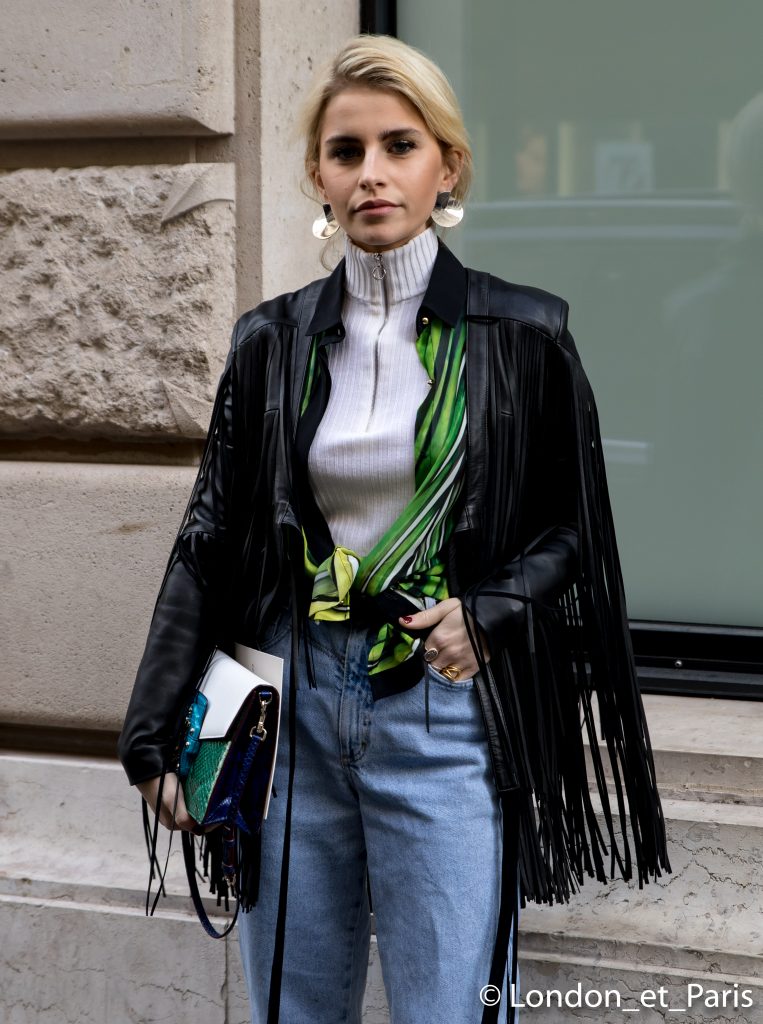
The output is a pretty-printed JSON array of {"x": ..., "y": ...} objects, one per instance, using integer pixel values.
[{"x": 383, "y": 136}]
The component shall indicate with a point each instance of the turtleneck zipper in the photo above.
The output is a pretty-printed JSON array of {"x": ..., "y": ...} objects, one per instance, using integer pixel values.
[{"x": 379, "y": 272}]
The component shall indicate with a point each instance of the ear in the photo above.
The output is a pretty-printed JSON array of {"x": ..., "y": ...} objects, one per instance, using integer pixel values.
[
  {"x": 318, "y": 182},
  {"x": 452, "y": 163}
]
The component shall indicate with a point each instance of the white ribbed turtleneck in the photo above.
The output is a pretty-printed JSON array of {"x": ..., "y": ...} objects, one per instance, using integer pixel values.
[{"x": 361, "y": 461}]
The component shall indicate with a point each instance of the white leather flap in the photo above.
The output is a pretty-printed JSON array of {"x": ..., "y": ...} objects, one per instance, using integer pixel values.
[{"x": 226, "y": 686}]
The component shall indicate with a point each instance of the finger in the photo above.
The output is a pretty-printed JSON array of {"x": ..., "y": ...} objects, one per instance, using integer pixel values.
[
  {"x": 175, "y": 807},
  {"x": 182, "y": 810},
  {"x": 190, "y": 824},
  {"x": 429, "y": 617},
  {"x": 183, "y": 823},
  {"x": 477, "y": 633},
  {"x": 457, "y": 649},
  {"x": 466, "y": 666},
  {"x": 166, "y": 819}
]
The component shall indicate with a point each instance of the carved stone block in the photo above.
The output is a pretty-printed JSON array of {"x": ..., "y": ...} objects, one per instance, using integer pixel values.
[
  {"x": 85, "y": 550},
  {"x": 116, "y": 68},
  {"x": 118, "y": 299}
]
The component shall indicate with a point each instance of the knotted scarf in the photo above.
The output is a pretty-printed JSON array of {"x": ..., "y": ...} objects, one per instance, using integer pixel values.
[{"x": 407, "y": 559}]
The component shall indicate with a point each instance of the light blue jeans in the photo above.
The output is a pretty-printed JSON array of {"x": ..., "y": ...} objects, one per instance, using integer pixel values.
[{"x": 374, "y": 792}]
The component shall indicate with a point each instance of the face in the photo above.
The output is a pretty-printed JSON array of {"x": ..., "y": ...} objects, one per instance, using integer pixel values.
[{"x": 380, "y": 167}]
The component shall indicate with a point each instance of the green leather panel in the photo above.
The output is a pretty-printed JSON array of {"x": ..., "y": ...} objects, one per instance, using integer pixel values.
[{"x": 198, "y": 787}]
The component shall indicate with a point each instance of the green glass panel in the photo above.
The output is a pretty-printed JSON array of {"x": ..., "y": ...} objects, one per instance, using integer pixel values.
[{"x": 619, "y": 163}]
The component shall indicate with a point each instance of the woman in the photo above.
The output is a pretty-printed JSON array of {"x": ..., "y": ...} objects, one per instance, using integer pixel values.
[{"x": 403, "y": 496}]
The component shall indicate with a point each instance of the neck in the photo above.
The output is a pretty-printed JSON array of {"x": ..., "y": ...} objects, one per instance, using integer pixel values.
[{"x": 407, "y": 268}]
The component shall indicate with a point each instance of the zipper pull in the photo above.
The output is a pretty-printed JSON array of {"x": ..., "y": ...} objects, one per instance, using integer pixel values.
[{"x": 379, "y": 270}]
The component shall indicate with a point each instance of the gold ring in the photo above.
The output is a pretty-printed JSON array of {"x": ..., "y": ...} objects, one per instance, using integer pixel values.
[{"x": 452, "y": 672}]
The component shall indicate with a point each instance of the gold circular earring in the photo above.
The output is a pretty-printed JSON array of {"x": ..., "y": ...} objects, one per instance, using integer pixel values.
[
  {"x": 325, "y": 225},
  {"x": 447, "y": 212}
]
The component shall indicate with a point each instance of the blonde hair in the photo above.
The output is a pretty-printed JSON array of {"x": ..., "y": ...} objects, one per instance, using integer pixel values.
[{"x": 384, "y": 62}]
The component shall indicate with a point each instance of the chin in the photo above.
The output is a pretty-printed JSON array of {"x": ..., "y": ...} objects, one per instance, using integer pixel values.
[{"x": 389, "y": 237}]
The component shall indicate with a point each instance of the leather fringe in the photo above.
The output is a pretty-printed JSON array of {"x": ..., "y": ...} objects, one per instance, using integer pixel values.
[{"x": 574, "y": 649}]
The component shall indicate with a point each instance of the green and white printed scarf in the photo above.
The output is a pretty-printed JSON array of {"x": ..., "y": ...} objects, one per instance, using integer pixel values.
[{"x": 408, "y": 557}]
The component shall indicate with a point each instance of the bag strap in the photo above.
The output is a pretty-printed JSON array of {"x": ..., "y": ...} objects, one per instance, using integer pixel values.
[{"x": 189, "y": 856}]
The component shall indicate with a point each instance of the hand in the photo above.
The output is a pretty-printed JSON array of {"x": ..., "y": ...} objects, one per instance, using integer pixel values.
[
  {"x": 448, "y": 634},
  {"x": 183, "y": 820}
]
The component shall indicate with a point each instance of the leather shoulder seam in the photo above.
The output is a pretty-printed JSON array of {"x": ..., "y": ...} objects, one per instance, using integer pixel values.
[
  {"x": 546, "y": 335},
  {"x": 254, "y": 329},
  {"x": 556, "y": 303},
  {"x": 283, "y": 311}
]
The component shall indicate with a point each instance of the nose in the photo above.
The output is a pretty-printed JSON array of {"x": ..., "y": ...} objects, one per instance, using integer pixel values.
[{"x": 371, "y": 172}]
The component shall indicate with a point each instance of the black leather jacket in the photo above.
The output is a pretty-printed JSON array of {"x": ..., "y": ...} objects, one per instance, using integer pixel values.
[{"x": 533, "y": 557}]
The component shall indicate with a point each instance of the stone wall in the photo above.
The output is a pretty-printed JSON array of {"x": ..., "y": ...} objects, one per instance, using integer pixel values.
[
  {"x": 122, "y": 278},
  {"x": 149, "y": 177}
]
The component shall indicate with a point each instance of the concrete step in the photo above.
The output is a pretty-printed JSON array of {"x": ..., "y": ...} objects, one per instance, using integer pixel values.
[
  {"x": 706, "y": 748},
  {"x": 696, "y": 934},
  {"x": 76, "y": 945},
  {"x": 603, "y": 989},
  {"x": 709, "y": 905}
]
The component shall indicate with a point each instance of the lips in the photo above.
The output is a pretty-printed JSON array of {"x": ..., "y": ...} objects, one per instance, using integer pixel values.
[{"x": 376, "y": 204}]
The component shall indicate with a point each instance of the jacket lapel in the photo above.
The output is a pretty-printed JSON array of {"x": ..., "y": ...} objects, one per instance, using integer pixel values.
[
  {"x": 320, "y": 310},
  {"x": 477, "y": 304}
]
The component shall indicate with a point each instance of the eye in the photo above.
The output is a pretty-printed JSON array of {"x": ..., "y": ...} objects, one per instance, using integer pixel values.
[
  {"x": 403, "y": 146},
  {"x": 344, "y": 152}
]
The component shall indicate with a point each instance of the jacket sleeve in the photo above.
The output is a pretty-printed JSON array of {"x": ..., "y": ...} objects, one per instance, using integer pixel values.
[
  {"x": 182, "y": 630},
  {"x": 549, "y": 564}
]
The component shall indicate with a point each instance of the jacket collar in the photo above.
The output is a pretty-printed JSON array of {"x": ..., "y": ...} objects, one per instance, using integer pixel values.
[{"x": 443, "y": 299}]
